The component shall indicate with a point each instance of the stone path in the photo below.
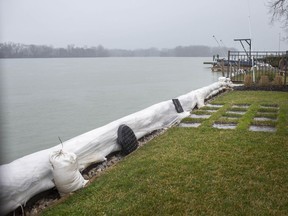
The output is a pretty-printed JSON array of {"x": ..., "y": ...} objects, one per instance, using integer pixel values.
[{"x": 265, "y": 118}]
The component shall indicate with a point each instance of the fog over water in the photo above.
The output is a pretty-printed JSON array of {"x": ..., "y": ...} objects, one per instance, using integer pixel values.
[{"x": 130, "y": 24}]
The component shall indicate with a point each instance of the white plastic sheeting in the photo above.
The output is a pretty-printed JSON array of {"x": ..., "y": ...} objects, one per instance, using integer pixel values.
[{"x": 32, "y": 174}]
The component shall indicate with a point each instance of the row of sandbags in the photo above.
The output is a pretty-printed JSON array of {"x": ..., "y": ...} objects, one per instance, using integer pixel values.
[{"x": 32, "y": 174}]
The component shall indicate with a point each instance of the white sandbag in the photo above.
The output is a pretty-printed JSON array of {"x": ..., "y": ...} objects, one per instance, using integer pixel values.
[
  {"x": 225, "y": 81},
  {"x": 23, "y": 178},
  {"x": 67, "y": 177},
  {"x": 211, "y": 90},
  {"x": 202, "y": 93},
  {"x": 222, "y": 79}
]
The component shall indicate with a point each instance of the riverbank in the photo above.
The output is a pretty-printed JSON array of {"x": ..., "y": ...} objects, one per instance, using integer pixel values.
[
  {"x": 202, "y": 170},
  {"x": 87, "y": 93},
  {"x": 35, "y": 173}
]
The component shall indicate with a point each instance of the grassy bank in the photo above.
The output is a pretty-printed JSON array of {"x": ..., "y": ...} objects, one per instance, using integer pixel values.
[{"x": 199, "y": 171}]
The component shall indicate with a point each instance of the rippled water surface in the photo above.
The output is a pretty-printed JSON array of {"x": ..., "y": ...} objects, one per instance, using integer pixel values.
[{"x": 42, "y": 99}]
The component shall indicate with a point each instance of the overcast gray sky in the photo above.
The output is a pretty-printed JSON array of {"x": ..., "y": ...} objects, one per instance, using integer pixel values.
[{"x": 131, "y": 24}]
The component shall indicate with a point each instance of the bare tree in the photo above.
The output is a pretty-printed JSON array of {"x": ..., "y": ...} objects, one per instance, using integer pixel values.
[{"x": 279, "y": 12}]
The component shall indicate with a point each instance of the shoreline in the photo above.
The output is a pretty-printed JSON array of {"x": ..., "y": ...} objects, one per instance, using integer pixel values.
[
  {"x": 158, "y": 116},
  {"x": 49, "y": 198}
]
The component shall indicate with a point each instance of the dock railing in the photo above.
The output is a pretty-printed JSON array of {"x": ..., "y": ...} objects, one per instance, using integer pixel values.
[{"x": 256, "y": 65}]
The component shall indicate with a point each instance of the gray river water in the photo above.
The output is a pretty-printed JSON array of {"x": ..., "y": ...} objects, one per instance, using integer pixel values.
[{"x": 42, "y": 99}]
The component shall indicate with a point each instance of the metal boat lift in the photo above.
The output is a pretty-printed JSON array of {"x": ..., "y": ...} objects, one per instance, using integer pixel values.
[{"x": 248, "y": 41}]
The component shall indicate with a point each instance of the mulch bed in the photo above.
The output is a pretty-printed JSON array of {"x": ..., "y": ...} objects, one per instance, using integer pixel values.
[{"x": 261, "y": 88}]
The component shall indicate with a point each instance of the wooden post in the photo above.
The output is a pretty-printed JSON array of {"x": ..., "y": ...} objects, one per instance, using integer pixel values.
[
  {"x": 285, "y": 74},
  {"x": 228, "y": 66}
]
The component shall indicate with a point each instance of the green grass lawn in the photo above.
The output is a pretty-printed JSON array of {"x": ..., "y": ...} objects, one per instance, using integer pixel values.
[{"x": 198, "y": 171}]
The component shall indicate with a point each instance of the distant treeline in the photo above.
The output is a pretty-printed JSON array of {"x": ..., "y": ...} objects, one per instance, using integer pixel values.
[{"x": 17, "y": 50}]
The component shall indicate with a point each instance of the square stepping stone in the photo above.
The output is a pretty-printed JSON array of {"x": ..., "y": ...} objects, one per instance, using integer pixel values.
[
  {"x": 224, "y": 126},
  {"x": 241, "y": 106},
  {"x": 262, "y": 128},
  {"x": 215, "y": 105},
  {"x": 264, "y": 119},
  {"x": 236, "y": 112},
  {"x": 275, "y": 106},
  {"x": 190, "y": 125},
  {"x": 200, "y": 116}
]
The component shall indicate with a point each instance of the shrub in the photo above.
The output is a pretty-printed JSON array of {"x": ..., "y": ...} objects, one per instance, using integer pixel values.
[
  {"x": 278, "y": 80},
  {"x": 248, "y": 80},
  {"x": 264, "y": 81}
]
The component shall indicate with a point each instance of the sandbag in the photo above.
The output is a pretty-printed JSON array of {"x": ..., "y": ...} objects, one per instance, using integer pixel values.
[{"x": 67, "y": 177}]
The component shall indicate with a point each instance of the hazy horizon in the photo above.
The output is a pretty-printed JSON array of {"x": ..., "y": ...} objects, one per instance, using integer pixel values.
[
  {"x": 115, "y": 48},
  {"x": 129, "y": 24}
]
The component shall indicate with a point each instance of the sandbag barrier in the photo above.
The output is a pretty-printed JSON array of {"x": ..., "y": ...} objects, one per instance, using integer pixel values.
[{"x": 32, "y": 174}]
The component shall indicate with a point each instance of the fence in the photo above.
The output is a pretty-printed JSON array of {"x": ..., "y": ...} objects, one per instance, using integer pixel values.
[{"x": 257, "y": 64}]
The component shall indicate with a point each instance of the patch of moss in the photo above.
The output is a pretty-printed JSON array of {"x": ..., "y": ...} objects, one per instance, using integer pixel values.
[
  {"x": 238, "y": 109},
  {"x": 267, "y": 115},
  {"x": 192, "y": 120},
  {"x": 232, "y": 115},
  {"x": 209, "y": 108},
  {"x": 201, "y": 112},
  {"x": 224, "y": 120},
  {"x": 264, "y": 123},
  {"x": 268, "y": 110}
]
